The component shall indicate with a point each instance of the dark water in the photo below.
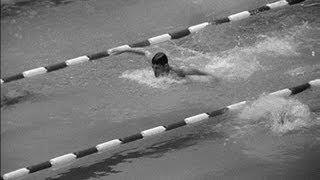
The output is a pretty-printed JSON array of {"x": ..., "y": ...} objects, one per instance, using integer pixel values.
[{"x": 81, "y": 106}]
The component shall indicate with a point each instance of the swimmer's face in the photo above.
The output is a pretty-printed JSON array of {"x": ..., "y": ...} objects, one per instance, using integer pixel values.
[{"x": 160, "y": 70}]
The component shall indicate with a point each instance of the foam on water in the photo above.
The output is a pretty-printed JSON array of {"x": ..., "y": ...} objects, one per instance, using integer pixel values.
[
  {"x": 271, "y": 128},
  {"x": 284, "y": 43},
  {"x": 242, "y": 62},
  {"x": 233, "y": 65},
  {"x": 278, "y": 114},
  {"x": 146, "y": 77}
]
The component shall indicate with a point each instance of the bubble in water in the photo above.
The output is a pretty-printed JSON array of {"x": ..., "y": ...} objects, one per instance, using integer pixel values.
[{"x": 279, "y": 114}]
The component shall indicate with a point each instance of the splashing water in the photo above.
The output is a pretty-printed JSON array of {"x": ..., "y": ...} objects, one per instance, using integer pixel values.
[
  {"x": 282, "y": 43},
  {"x": 239, "y": 63},
  {"x": 146, "y": 77},
  {"x": 235, "y": 64},
  {"x": 231, "y": 65},
  {"x": 242, "y": 62},
  {"x": 276, "y": 46},
  {"x": 279, "y": 114}
]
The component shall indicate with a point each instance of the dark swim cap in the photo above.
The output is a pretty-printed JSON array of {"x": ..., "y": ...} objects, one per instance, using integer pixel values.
[{"x": 160, "y": 58}]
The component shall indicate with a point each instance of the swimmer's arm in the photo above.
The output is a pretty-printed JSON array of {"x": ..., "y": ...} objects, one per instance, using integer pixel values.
[
  {"x": 138, "y": 51},
  {"x": 185, "y": 72}
]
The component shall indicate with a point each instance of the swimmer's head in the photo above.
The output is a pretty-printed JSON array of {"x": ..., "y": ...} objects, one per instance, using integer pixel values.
[
  {"x": 160, "y": 59},
  {"x": 160, "y": 64}
]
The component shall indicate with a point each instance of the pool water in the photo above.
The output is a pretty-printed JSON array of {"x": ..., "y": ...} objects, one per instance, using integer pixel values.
[{"x": 84, "y": 105}]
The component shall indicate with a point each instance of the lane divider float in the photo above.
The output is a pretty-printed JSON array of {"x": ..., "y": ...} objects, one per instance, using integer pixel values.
[
  {"x": 67, "y": 159},
  {"x": 148, "y": 42}
]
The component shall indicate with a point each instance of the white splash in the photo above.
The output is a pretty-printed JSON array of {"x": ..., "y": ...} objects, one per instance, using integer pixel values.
[
  {"x": 146, "y": 77},
  {"x": 279, "y": 114},
  {"x": 238, "y": 63},
  {"x": 242, "y": 62},
  {"x": 233, "y": 65}
]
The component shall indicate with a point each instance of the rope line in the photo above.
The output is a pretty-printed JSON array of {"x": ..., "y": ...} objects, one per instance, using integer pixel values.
[
  {"x": 148, "y": 42},
  {"x": 67, "y": 159}
]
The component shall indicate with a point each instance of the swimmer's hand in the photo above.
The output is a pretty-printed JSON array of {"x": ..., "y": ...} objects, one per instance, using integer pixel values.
[
  {"x": 118, "y": 50},
  {"x": 123, "y": 49}
]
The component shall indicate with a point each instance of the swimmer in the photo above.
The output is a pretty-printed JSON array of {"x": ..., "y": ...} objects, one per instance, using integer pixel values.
[{"x": 160, "y": 63}]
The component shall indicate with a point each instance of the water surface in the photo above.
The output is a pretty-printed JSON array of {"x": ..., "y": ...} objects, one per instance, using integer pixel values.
[{"x": 81, "y": 106}]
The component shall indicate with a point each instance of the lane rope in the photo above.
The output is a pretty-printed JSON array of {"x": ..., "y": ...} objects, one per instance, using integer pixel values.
[
  {"x": 148, "y": 42},
  {"x": 67, "y": 159}
]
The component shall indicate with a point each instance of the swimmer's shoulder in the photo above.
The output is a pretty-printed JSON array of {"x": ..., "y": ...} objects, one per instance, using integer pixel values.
[{"x": 177, "y": 71}]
